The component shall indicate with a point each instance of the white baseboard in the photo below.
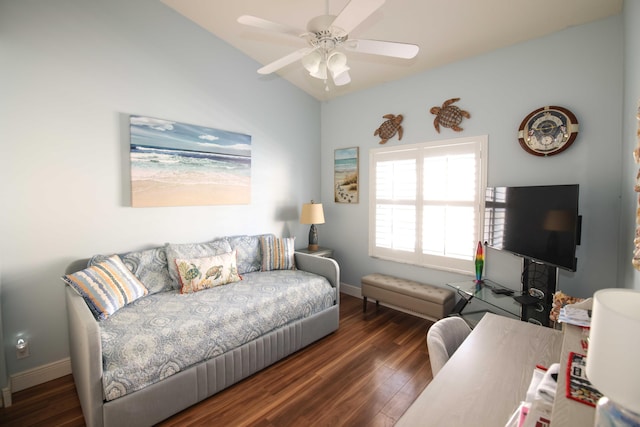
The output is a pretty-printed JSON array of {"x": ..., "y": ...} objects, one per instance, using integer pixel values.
[
  {"x": 348, "y": 289},
  {"x": 41, "y": 374},
  {"x": 6, "y": 397}
]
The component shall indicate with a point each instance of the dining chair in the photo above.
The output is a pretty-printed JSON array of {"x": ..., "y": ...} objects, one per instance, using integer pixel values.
[{"x": 443, "y": 339}]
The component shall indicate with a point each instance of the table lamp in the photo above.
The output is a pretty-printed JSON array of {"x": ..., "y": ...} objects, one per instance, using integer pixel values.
[
  {"x": 613, "y": 365},
  {"x": 313, "y": 214}
]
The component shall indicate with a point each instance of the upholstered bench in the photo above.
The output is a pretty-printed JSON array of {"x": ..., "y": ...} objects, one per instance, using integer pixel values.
[{"x": 430, "y": 301}]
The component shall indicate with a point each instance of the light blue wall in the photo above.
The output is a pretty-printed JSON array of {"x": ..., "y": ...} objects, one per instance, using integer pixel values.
[
  {"x": 631, "y": 101},
  {"x": 72, "y": 70},
  {"x": 580, "y": 68}
]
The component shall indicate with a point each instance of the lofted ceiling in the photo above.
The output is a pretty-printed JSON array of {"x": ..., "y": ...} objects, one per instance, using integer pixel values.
[{"x": 445, "y": 30}]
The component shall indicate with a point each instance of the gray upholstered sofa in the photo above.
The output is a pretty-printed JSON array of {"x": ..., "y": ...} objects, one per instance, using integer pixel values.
[{"x": 168, "y": 350}]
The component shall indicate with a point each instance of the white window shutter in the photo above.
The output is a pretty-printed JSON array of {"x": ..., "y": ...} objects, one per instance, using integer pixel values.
[{"x": 425, "y": 202}]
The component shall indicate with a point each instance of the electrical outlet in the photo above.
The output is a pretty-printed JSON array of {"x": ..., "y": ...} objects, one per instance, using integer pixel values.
[{"x": 22, "y": 348}]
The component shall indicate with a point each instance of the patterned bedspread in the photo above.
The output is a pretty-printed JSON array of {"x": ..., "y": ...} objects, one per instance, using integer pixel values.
[{"x": 165, "y": 333}]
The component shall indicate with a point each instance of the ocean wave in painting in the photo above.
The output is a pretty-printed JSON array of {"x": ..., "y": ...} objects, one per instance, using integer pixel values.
[
  {"x": 188, "y": 167},
  {"x": 346, "y": 165},
  {"x": 180, "y": 164}
]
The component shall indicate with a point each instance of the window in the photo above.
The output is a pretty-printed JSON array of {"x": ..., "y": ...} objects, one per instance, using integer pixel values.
[{"x": 426, "y": 202}]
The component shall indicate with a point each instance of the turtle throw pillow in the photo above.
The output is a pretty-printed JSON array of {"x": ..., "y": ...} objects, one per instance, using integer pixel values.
[{"x": 203, "y": 273}]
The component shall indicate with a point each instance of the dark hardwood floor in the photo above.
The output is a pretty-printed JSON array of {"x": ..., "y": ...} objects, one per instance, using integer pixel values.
[{"x": 365, "y": 374}]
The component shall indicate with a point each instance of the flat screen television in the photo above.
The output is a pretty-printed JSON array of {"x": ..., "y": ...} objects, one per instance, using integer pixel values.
[{"x": 537, "y": 222}]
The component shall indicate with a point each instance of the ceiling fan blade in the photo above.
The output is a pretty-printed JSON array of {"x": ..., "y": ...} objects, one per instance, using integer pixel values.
[
  {"x": 254, "y": 21},
  {"x": 355, "y": 12},
  {"x": 285, "y": 60},
  {"x": 379, "y": 47}
]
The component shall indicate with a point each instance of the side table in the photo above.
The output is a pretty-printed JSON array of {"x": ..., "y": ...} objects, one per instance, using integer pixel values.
[{"x": 323, "y": 252}]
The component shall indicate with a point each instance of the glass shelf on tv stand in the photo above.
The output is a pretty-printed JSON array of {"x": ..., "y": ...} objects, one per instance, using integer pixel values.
[{"x": 484, "y": 291}]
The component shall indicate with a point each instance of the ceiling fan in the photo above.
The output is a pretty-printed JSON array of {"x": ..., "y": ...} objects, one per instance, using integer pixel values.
[{"x": 326, "y": 36}]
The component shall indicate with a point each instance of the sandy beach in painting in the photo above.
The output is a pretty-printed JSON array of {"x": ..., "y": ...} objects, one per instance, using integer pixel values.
[
  {"x": 346, "y": 176},
  {"x": 177, "y": 164},
  {"x": 147, "y": 193},
  {"x": 346, "y": 184}
]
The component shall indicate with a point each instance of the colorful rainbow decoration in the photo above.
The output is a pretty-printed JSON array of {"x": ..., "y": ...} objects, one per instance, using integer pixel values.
[{"x": 479, "y": 262}]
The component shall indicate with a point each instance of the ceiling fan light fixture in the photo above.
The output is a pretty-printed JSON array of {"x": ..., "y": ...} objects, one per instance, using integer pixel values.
[
  {"x": 337, "y": 62},
  {"x": 311, "y": 62},
  {"x": 321, "y": 72},
  {"x": 335, "y": 74},
  {"x": 327, "y": 33},
  {"x": 342, "y": 78}
]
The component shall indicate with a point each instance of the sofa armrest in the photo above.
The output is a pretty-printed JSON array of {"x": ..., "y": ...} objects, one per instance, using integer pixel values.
[
  {"x": 322, "y": 266},
  {"x": 85, "y": 348}
]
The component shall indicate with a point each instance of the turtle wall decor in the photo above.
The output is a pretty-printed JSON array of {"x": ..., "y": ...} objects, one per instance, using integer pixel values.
[
  {"x": 389, "y": 127},
  {"x": 449, "y": 115}
]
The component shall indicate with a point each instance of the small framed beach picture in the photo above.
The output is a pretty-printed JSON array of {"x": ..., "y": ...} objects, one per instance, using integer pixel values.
[
  {"x": 345, "y": 175},
  {"x": 178, "y": 164}
]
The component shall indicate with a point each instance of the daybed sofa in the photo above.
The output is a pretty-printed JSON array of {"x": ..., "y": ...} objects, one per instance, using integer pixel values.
[{"x": 141, "y": 358}]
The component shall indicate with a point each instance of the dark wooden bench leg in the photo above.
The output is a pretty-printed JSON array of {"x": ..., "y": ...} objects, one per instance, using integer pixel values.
[{"x": 364, "y": 304}]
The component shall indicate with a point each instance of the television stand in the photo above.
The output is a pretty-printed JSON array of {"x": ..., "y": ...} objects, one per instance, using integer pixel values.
[
  {"x": 538, "y": 280},
  {"x": 495, "y": 298},
  {"x": 532, "y": 303}
]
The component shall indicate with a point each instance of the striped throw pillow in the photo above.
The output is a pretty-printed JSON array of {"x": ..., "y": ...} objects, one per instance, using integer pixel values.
[
  {"x": 106, "y": 287},
  {"x": 277, "y": 254}
]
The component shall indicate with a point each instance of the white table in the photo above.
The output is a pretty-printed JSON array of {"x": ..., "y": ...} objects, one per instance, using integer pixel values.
[
  {"x": 487, "y": 377},
  {"x": 567, "y": 412}
]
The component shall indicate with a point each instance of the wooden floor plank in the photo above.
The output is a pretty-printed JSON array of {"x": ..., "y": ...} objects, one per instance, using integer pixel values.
[{"x": 365, "y": 374}]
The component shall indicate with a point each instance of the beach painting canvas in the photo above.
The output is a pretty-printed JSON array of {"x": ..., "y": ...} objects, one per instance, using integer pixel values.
[
  {"x": 345, "y": 166},
  {"x": 178, "y": 164}
]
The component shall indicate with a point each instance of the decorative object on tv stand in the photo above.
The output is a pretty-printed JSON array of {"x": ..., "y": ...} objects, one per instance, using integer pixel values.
[
  {"x": 612, "y": 357},
  {"x": 449, "y": 115},
  {"x": 313, "y": 214},
  {"x": 479, "y": 262},
  {"x": 389, "y": 127},
  {"x": 547, "y": 131}
]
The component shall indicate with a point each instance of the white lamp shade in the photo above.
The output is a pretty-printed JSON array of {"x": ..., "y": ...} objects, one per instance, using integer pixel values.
[
  {"x": 341, "y": 79},
  {"x": 314, "y": 63},
  {"x": 337, "y": 63},
  {"x": 321, "y": 72},
  {"x": 311, "y": 62},
  {"x": 613, "y": 366},
  {"x": 312, "y": 213}
]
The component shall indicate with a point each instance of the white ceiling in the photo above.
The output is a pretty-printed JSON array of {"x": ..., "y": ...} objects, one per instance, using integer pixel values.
[{"x": 445, "y": 30}]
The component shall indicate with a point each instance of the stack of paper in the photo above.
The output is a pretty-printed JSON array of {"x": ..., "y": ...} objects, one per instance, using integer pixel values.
[{"x": 577, "y": 314}]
